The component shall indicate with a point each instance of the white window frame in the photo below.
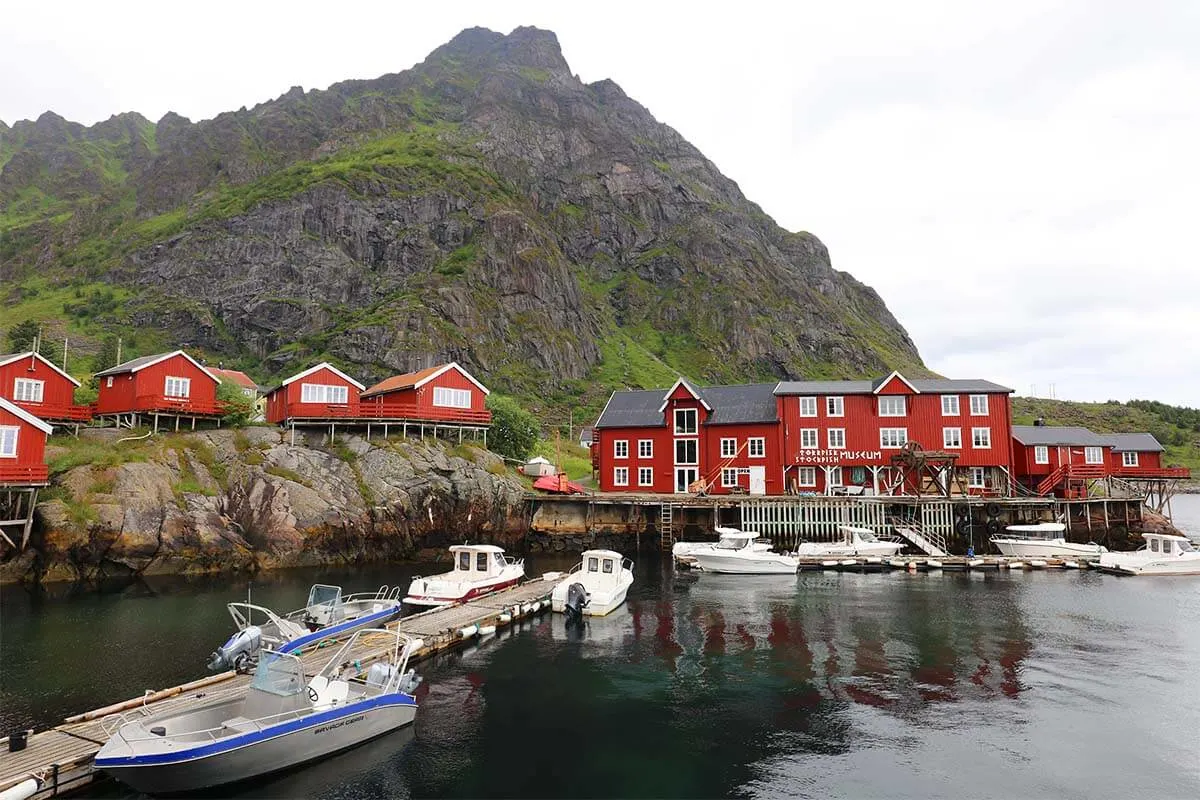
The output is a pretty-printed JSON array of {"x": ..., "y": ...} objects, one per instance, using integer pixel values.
[
  {"x": 29, "y": 390},
  {"x": 836, "y": 437},
  {"x": 979, "y": 405},
  {"x": 808, "y": 406},
  {"x": 950, "y": 406},
  {"x": 833, "y": 477},
  {"x": 695, "y": 447},
  {"x": 182, "y": 388},
  {"x": 645, "y": 448},
  {"x": 1129, "y": 458},
  {"x": 889, "y": 440},
  {"x": 952, "y": 438},
  {"x": 806, "y": 476},
  {"x": 445, "y": 397},
  {"x": 1088, "y": 452},
  {"x": 645, "y": 476},
  {"x": 620, "y": 476},
  {"x": 620, "y": 448},
  {"x": 108, "y": 384},
  {"x": 979, "y": 472},
  {"x": 729, "y": 477},
  {"x": 324, "y": 393},
  {"x": 728, "y": 448},
  {"x": 835, "y": 406},
  {"x": 981, "y": 438},
  {"x": 1041, "y": 454},
  {"x": 888, "y": 399},
  {"x": 9, "y": 435},
  {"x": 756, "y": 447},
  {"x": 810, "y": 438},
  {"x": 685, "y": 414}
]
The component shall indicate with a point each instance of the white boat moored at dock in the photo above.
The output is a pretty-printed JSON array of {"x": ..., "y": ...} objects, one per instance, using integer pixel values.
[
  {"x": 854, "y": 541},
  {"x": 596, "y": 585},
  {"x": 1163, "y": 554},
  {"x": 479, "y": 569},
  {"x": 735, "y": 555},
  {"x": 1042, "y": 540}
]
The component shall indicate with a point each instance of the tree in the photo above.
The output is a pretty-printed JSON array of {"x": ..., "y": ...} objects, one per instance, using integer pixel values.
[
  {"x": 107, "y": 357},
  {"x": 514, "y": 430},
  {"x": 21, "y": 336},
  {"x": 240, "y": 406}
]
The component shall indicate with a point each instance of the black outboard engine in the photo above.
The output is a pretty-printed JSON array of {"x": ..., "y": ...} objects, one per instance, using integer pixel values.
[
  {"x": 577, "y": 600},
  {"x": 239, "y": 653}
]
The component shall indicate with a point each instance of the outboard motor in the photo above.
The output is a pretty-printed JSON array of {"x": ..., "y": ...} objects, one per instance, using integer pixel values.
[
  {"x": 409, "y": 682},
  {"x": 577, "y": 600},
  {"x": 239, "y": 652}
]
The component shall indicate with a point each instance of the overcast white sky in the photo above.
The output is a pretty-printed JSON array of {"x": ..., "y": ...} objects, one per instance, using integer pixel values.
[{"x": 1020, "y": 181}]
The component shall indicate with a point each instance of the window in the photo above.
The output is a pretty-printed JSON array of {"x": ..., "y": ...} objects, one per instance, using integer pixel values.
[
  {"x": 949, "y": 405},
  {"x": 893, "y": 438},
  {"x": 952, "y": 438},
  {"x": 608, "y": 565},
  {"x": 645, "y": 476},
  {"x": 593, "y": 564},
  {"x": 1129, "y": 459},
  {"x": 808, "y": 406},
  {"x": 757, "y": 446},
  {"x": 451, "y": 398},
  {"x": 685, "y": 420},
  {"x": 892, "y": 406},
  {"x": 728, "y": 448},
  {"x": 322, "y": 393},
  {"x": 837, "y": 438},
  {"x": 975, "y": 481},
  {"x": 8, "y": 441},
  {"x": 464, "y": 560},
  {"x": 1041, "y": 454},
  {"x": 979, "y": 405},
  {"x": 981, "y": 438},
  {"x": 686, "y": 452},
  {"x": 481, "y": 562},
  {"x": 178, "y": 387},
  {"x": 833, "y": 476},
  {"x": 621, "y": 448},
  {"x": 835, "y": 407},
  {"x": 729, "y": 477},
  {"x": 809, "y": 439},
  {"x": 807, "y": 476},
  {"x": 620, "y": 476},
  {"x": 28, "y": 391},
  {"x": 645, "y": 448},
  {"x": 108, "y": 383},
  {"x": 1093, "y": 455}
]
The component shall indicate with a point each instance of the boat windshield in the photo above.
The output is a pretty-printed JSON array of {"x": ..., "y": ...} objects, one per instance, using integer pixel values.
[
  {"x": 278, "y": 674},
  {"x": 322, "y": 595},
  {"x": 1186, "y": 547},
  {"x": 732, "y": 543},
  {"x": 867, "y": 536}
]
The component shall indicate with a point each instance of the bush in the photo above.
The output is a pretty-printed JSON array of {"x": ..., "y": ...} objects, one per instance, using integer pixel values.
[
  {"x": 241, "y": 407},
  {"x": 514, "y": 430}
]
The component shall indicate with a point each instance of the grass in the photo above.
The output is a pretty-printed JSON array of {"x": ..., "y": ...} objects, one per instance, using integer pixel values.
[
  {"x": 287, "y": 475},
  {"x": 102, "y": 455},
  {"x": 576, "y": 461}
]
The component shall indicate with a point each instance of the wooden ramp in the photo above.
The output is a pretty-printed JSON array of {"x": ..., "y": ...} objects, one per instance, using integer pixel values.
[{"x": 60, "y": 759}]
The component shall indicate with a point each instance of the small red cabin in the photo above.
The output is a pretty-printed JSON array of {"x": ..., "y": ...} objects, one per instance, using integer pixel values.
[
  {"x": 166, "y": 383},
  {"x": 320, "y": 392},
  {"x": 39, "y": 387},
  {"x": 237, "y": 378},
  {"x": 22, "y": 446},
  {"x": 445, "y": 393}
]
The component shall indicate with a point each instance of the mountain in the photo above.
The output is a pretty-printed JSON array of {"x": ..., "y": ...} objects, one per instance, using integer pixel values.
[{"x": 484, "y": 206}]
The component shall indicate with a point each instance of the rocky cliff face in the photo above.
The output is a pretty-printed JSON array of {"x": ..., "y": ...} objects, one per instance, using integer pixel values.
[
  {"x": 245, "y": 500},
  {"x": 485, "y": 206}
]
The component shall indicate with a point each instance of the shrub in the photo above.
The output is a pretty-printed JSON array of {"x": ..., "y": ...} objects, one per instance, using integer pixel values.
[{"x": 514, "y": 430}]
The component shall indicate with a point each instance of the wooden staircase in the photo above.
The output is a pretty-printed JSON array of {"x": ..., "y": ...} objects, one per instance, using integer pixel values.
[
  {"x": 1067, "y": 473},
  {"x": 931, "y": 543}
]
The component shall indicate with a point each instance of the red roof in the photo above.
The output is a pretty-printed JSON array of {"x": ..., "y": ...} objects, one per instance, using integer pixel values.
[
  {"x": 406, "y": 381},
  {"x": 234, "y": 376}
]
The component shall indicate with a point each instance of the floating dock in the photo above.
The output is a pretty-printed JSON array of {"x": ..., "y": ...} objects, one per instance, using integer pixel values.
[
  {"x": 922, "y": 563},
  {"x": 60, "y": 759}
]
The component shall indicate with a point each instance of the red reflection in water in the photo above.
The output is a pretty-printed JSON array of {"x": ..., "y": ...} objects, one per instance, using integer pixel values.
[
  {"x": 664, "y": 634},
  {"x": 1013, "y": 653},
  {"x": 714, "y": 635},
  {"x": 476, "y": 680},
  {"x": 872, "y": 670}
]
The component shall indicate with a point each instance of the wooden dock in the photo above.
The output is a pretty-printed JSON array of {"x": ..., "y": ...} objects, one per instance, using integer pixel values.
[
  {"x": 945, "y": 563},
  {"x": 60, "y": 759}
]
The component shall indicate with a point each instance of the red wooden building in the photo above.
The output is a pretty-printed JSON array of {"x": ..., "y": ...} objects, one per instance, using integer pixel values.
[
  {"x": 318, "y": 393},
  {"x": 41, "y": 388},
  {"x": 22, "y": 447},
  {"x": 1064, "y": 460},
  {"x": 445, "y": 393},
  {"x": 237, "y": 378},
  {"x": 172, "y": 385}
]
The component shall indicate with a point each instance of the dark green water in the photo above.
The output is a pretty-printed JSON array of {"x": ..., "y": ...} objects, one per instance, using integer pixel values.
[{"x": 1054, "y": 684}]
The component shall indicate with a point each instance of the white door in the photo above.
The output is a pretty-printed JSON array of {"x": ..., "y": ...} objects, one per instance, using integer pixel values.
[
  {"x": 685, "y": 477},
  {"x": 758, "y": 480}
]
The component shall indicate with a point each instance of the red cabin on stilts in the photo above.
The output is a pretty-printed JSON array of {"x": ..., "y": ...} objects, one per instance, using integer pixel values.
[
  {"x": 38, "y": 386},
  {"x": 322, "y": 392},
  {"x": 22, "y": 447},
  {"x": 445, "y": 393},
  {"x": 172, "y": 385}
]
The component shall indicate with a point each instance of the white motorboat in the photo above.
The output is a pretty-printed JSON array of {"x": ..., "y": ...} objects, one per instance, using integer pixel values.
[
  {"x": 594, "y": 587},
  {"x": 282, "y": 719},
  {"x": 478, "y": 569},
  {"x": 1163, "y": 554},
  {"x": 327, "y": 613},
  {"x": 684, "y": 553},
  {"x": 1042, "y": 540},
  {"x": 733, "y": 554},
  {"x": 855, "y": 541}
]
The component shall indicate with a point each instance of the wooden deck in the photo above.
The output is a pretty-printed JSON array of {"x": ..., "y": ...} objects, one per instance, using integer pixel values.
[{"x": 60, "y": 759}]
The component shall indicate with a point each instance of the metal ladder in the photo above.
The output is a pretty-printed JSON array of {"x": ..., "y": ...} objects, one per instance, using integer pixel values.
[{"x": 666, "y": 526}]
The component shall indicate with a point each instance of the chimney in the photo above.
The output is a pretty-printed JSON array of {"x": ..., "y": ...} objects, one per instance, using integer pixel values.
[{"x": 1040, "y": 422}]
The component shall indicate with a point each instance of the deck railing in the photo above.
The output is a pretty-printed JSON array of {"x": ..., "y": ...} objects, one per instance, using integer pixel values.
[
  {"x": 57, "y": 413},
  {"x": 180, "y": 405},
  {"x": 398, "y": 412},
  {"x": 24, "y": 473},
  {"x": 1152, "y": 472}
]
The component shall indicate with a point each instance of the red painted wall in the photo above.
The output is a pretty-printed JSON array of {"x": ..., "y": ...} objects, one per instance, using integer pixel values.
[
  {"x": 284, "y": 403},
  {"x": 57, "y": 392},
  {"x": 401, "y": 402},
  {"x": 141, "y": 390},
  {"x": 30, "y": 464}
]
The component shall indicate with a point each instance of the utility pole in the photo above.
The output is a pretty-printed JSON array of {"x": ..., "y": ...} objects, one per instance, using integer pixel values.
[
  {"x": 66, "y": 342},
  {"x": 571, "y": 426},
  {"x": 118, "y": 351}
]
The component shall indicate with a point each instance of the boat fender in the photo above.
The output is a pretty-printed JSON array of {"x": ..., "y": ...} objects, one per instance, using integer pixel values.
[
  {"x": 415, "y": 645},
  {"x": 963, "y": 526},
  {"x": 829, "y": 563},
  {"x": 505, "y": 618},
  {"x": 469, "y": 631},
  {"x": 992, "y": 509},
  {"x": 933, "y": 563},
  {"x": 21, "y": 791},
  {"x": 993, "y": 526},
  {"x": 487, "y": 630}
]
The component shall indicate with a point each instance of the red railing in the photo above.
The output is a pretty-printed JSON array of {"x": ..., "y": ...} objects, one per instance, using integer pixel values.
[
  {"x": 398, "y": 412},
  {"x": 24, "y": 473},
  {"x": 1152, "y": 472},
  {"x": 322, "y": 411},
  {"x": 180, "y": 405},
  {"x": 51, "y": 413}
]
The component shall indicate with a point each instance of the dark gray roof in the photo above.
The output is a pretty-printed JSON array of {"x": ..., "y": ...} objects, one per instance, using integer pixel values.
[
  {"x": 130, "y": 366},
  {"x": 1054, "y": 434},
  {"x": 741, "y": 404},
  {"x": 923, "y": 385},
  {"x": 1132, "y": 442}
]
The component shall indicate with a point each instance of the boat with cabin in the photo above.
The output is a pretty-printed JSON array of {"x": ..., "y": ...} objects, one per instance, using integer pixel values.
[
  {"x": 854, "y": 541},
  {"x": 281, "y": 720},
  {"x": 327, "y": 613},
  {"x": 684, "y": 553},
  {"x": 1042, "y": 540},
  {"x": 479, "y": 569},
  {"x": 594, "y": 587},
  {"x": 1163, "y": 554},
  {"x": 734, "y": 554}
]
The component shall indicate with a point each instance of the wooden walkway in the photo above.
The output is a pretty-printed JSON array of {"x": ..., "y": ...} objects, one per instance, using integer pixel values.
[{"x": 60, "y": 759}]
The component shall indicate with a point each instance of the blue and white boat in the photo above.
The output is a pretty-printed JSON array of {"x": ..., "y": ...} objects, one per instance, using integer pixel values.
[
  {"x": 282, "y": 719},
  {"x": 326, "y": 614}
]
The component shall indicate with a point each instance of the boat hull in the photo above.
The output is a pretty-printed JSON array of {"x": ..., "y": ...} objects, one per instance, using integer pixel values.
[
  {"x": 259, "y": 753},
  {"x": 436, "y": 599},
  {"x": 733, "y": 565},
  {"x": 370, "y": 620},
  {"x": 1022, "y": 548},
  {"x": 1168, "y": 566},
  {"x": 600, "y": 603},
  {"x": 879, "y": 549}
]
